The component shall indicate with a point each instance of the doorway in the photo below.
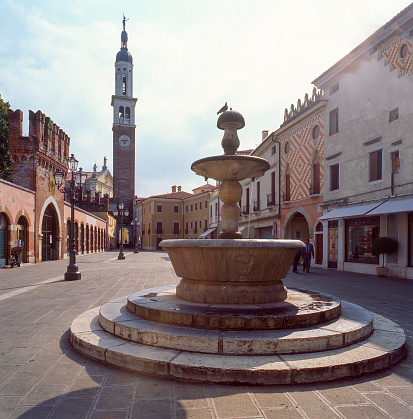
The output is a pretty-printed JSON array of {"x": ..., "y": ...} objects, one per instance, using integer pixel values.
[
  {"x": 22, "y": 237},
  {"x": 332, "y": 244},
  {"x": 49, "y": 231}
]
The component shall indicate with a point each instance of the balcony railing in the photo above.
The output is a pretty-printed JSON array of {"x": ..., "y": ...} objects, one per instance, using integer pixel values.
[
  {"x": 186, "y": 231},
  {"x": 159, "y": 231},
  {"x": 245, "y": 209},
  {"x": 256, "y": 206},
  {"x": 270, "y": 199},
  {"x": 176, "y": 231}
]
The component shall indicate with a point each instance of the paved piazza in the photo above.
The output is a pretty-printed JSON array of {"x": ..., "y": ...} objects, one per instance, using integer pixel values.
[{"x": 42, "y": 376}]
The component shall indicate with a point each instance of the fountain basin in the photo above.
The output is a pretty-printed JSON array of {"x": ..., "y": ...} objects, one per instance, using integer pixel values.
[
  {"x": 234, "y": 271},
  {"x": 230, "y": 167}
]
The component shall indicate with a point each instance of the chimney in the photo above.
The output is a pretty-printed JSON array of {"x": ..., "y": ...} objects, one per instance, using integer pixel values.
[
  {"x": 179, "y": 188},
  {"x": 264, "y": 134},
  {"x": 89, "y": 196},
  {"x": 174, "y": 189},
  {"x": 97, "y": 198}
]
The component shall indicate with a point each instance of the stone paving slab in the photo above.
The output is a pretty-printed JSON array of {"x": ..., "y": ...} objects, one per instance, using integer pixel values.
[{"x": 50, "y": 309}]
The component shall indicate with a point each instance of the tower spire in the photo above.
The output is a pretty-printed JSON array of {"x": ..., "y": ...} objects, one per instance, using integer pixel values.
[{"x": 124, "y": 35}]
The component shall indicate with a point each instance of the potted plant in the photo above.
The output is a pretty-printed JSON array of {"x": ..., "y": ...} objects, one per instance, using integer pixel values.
[{"x": 383, "y": 246}]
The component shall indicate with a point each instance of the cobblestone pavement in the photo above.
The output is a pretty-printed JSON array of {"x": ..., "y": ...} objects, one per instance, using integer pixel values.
[{"x": 42, "y": 376}]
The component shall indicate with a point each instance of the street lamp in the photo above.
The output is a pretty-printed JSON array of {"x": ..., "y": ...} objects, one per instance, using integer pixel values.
[
  {"x": 76, "y": 182},
  {"x": 122, "y": 212},
  {"x": 135, "y": 235}
]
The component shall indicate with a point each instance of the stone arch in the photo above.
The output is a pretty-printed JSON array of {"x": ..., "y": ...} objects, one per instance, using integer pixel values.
[
  {"x": 50, "y": 201},
  {"x": 289, "y": 218},
  {"x": 23, "y": 213}
]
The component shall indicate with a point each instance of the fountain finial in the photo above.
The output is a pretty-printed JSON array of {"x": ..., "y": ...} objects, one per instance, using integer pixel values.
[{"x": 230, "y": 121}]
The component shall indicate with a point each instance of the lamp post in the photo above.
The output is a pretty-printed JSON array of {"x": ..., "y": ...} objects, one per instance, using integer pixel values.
[
  {"x": 76, "y": 182},
  {"x": 122, "y": 212},
  {"x": 135, "y": 234}
]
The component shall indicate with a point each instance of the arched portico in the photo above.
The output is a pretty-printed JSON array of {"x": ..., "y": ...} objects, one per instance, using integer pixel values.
[{"x": 297, "y": 225}]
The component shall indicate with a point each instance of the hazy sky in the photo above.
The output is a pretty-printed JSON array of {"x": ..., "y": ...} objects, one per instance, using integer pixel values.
[{"x": 190, "y": 56}]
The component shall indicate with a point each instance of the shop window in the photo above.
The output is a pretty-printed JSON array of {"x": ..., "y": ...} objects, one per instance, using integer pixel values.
[
  {"x": 360, "y": 233},
  {"x": 375, "y": 165}
]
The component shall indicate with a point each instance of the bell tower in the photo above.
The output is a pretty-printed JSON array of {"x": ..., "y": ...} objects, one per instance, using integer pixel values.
[{"x": 123, "y": 127}]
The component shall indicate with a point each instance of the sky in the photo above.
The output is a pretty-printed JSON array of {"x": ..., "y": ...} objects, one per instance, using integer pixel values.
[{"x": 189, "y": 56}]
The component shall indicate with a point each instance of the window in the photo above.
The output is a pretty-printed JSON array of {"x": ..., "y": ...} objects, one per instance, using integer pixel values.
[
  {"x": 200, "y": 205},
  {"x": 176, "y": 209},
  {"x": 334, "y": 88},
  {"x": 186, "y": 208},
  {"x": 393, "y": 115},
  {"x": 124, "y": 85},
  {"x": 210, "y": 208},
  {"x": 247, "y": 196},
  {"x": 176, "y": 228},
  {"x": 360, "y": 233},
  {"x": 287, "y": 193},
  {"x": 257, "y": 203},
  {"x": 127, "y": 114},
  {"x": 287, "y": 147},
  {"x": 196, "y": 206},
  {"x": 206, "y": 204},
  {"x": 375, "y": 165},
  {"x": 333, "y": 122},
  {"x": 273, "y": 150},
  {"x": 315, "y": 132},
  {"x": 192, "y": 207},
  {"x": 121, "y": 113},
  {"x": 200, "y": 223},
  {"x": 395, "y": 161},
  {"x": 192, "y": 225},
  {"x": 403, "y": 51},
  {"x": 158, "y": 207},
  {"x": 316, "y": 179},
  {"x": 159, "y": 228},
  {"x": 334, "y": 177},
  {"x": 205, "y": 225},
  {"x": 186, "y": 228}
]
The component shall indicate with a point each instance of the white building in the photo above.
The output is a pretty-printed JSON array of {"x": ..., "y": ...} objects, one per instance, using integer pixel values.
[{"x": 369, "y": 151}]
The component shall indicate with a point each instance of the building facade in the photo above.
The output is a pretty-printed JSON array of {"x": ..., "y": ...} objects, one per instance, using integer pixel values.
[
  {"x": 33, "y": 212},
  {"x": 368, "y": 151}
]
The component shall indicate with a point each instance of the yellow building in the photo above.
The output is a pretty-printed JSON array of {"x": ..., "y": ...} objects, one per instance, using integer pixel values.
[{"x": 175, "y": 215}]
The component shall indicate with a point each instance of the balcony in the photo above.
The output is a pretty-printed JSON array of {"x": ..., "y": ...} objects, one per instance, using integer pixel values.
[
  {"x": 256, "y": 206},
  {"x": 176, "y": 231},
  {"x": 186, "y": 231},
  {"x": 149, "y": 231},
  {"x": 159, "y": 231},
  {"x": 286, "y": 197},
  {"x": 270, "y": 200},
  {"x": 245, "y": 209}
]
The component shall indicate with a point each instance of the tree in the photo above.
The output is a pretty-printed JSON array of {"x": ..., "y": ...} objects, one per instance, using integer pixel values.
[
  {"x": 384, "y": 245},
  {"x": 6, "y": 168}
]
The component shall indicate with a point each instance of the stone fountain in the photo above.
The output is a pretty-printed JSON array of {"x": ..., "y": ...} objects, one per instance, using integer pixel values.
[{"x": 230, "y": 319}]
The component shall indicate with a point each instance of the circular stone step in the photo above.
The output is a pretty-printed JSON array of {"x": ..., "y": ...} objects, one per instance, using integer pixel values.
[
  {"x": 301, "y": 309},
  {"x": 384, "y": 348},
  {"x": 354, "y": 325}
]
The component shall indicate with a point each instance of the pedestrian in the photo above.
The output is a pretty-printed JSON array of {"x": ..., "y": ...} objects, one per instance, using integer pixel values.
[
  {"x": 297, "y": 260},
  {"x": 307, "y": 254}
]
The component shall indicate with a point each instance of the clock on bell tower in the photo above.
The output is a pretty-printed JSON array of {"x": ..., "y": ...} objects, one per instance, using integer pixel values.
[{"x": 123, "y": 127}]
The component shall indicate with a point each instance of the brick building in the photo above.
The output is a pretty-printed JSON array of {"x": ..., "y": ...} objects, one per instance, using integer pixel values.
[{"x": 33, "y": 212}]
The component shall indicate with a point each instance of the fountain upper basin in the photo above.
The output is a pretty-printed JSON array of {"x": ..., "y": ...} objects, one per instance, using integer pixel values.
[{"x": 227, "y": 167}]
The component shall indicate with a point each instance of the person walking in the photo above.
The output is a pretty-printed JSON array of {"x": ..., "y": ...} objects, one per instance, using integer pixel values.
[
  {"x": 308, "y": 253},
  {"x": 297, "y": 260}
]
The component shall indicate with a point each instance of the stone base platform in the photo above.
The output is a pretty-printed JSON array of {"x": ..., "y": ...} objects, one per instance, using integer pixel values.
[
  {"x": 300, "y": 309},
  {"x": 353, "y": 344}
]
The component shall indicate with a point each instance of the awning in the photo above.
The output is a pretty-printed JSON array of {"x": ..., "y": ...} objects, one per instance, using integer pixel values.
[
  {"x": 206, "y": 233},
  {"x": 345, "y": 212},
  {"x": 393, "y": 206}
]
